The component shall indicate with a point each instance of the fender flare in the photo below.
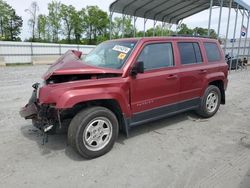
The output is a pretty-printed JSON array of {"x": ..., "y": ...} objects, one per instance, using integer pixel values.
[
  {"x": 70, "y": 98},
  {"x": 211, "y": 78}
]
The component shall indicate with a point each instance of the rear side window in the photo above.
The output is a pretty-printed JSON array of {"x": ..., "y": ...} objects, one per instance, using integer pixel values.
[
  {"x": 190, "y": 53},
  {"x": 156, "y": 56},
  {"x": 212, "y": 51}
]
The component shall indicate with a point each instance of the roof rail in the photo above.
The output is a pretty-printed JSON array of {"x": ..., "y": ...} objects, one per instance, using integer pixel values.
[{"x": 199, "y": 36}]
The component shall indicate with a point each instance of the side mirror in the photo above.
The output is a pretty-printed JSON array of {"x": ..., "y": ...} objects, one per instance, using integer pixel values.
[{"x": 137, "y": 68}]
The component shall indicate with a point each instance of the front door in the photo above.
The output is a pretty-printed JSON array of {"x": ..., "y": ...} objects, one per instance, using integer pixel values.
[{"x": 158, "y": 86}]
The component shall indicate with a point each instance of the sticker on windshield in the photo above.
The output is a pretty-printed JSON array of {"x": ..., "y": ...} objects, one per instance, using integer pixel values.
[
  {"x": 122, "y": 56},
  {"x": 122, "y": 49}
]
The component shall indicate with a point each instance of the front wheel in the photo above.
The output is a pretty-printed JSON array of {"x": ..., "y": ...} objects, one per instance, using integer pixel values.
[
  {"x": 93, "y": 131},
  {"x": 210, "y": 102}
]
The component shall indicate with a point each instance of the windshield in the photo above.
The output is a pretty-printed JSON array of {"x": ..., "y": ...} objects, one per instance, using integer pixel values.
[{"x": 112, "y": 54}]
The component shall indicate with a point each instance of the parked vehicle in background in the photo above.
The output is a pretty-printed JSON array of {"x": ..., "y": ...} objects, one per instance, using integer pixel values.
[
  {"x": 236, "y": 64},
  {"x": 124, "y": 83},
  {"x": 245, "y": 63}
]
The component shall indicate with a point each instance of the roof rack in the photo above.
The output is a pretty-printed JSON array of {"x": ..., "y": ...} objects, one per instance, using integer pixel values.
[{"x": 199, "y": 36}]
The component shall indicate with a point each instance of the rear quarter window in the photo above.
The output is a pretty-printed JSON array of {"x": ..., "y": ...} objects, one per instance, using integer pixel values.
[{"x": 212, "y": 51}]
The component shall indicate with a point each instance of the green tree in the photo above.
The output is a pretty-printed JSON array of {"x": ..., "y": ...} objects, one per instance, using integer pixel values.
[
  {"x": 79, "y": 25},
  {"x": 54, "y": 19},
  {"x": 128, "y": 27},
  {"x": 13, "y": 26},
  {"x": 42, "y": 27},
  {"x": 213, "y": 34},
  {"x": 117, "y": 27},
  {"x": 33, "y": 11},
  {"x": 96, "y": 23},
  {"x": 200, "y": 31},
  {"x": 150, "y": 32},
  {"x": 10, "y": 23},
  {"x": 184, "y": 30},
  {"x": 4, "y": 7},
  {"x": 68, "y": 14},
  {"x": 157, "y": 32},
  {"x": 203, "y": 32}
]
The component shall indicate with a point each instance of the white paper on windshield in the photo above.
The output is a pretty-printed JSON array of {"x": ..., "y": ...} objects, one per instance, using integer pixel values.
[{"x": 122, "y": 49}]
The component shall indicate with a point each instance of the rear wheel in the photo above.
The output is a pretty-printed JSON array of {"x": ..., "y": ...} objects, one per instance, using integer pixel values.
[
  {"x": 93, "y": 131},
  {"x": 210, "y": 102}
]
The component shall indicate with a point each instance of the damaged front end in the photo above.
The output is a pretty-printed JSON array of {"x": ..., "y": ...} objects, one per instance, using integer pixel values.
[
  {"x": 48, "y": 108},
  {"x": 44, "y": 117}
]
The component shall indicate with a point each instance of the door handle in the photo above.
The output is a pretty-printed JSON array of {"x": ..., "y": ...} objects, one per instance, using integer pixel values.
[
  {"x": 203, "y": 71},
  {"x": 172, "y": 76}
]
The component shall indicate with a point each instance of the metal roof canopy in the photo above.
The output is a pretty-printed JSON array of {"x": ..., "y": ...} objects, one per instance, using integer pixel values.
[
  {"x": 174, "y": 11},
  {"x": 170, "y": 11}
]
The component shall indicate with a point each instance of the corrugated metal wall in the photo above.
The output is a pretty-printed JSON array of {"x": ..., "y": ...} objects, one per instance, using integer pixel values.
[{"x": 22, "y": 52}]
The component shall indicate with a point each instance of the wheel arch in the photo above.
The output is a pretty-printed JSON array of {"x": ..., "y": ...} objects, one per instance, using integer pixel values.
[
  {"x": 220, "y": 85},
  {"x": 111, "y": 104}
]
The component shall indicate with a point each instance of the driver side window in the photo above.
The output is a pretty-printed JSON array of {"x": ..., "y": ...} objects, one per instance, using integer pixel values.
[{"x": 156, "y": 56}]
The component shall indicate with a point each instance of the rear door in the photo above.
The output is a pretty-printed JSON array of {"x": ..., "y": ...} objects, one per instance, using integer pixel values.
[
  {"x": 159, "y": 84},
  {"x": 192, "y": 71},
  {"x": 215, "y": 60}
]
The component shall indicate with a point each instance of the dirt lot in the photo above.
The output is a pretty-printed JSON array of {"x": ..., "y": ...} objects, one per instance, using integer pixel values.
[{"x": 181, "y": 151}]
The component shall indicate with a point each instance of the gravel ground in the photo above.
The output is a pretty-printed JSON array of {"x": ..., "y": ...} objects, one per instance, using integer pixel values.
[{"x": 181, "y": 151}]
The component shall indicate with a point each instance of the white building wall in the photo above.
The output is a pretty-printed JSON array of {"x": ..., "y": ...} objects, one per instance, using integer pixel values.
[{"x": 243, "y": 52}]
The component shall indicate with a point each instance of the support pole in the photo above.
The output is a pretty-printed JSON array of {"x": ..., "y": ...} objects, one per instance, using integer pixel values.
[
  {"x": 235, "y": 26},
  {"x": 228, "y": 23},
  {"x": 123, "y": 20},
  {"x": 135, "y": 18},
  {"x": 177, "y": 27},
  {"x": 210, "y": 17},
  {"x": 154, "y": 27},
  {"x": 245, "y": 43},
  {"x": 169, "y": 29},
  {"x": 60, "y": 49},
  {"x": 144, "y": 27},
  {"x": 110, "y": 24},
  {"x": 31, "y": 49},
  {"x": 239, "y": 46},
  {"x": 218, "y": 31},
  {"x": 162, "y": 28},
  {"x": 248, "y": 54}
]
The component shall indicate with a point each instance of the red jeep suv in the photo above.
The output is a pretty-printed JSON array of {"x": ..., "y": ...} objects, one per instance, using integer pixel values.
[{"x": 124, "y": 83}]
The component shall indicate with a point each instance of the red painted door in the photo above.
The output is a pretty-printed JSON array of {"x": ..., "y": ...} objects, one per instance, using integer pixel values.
[
  {"x": 159, "y": 84},
  {"x": 192, "y": 70}
]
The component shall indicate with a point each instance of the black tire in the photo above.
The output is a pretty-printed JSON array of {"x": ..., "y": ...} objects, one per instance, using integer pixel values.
[
  {"x": 203, "y": 109},
  {"x": 81, "y": 123}
]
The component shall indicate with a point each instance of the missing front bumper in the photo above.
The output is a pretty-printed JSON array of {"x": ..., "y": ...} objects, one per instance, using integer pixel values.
[{"x": 29, "y": 111}]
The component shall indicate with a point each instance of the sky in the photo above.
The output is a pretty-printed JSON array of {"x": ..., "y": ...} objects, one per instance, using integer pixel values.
[{"x": 198, "y": 20}]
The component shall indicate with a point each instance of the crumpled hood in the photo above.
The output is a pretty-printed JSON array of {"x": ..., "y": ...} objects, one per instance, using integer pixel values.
[{"x": 70, "y": 64}]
